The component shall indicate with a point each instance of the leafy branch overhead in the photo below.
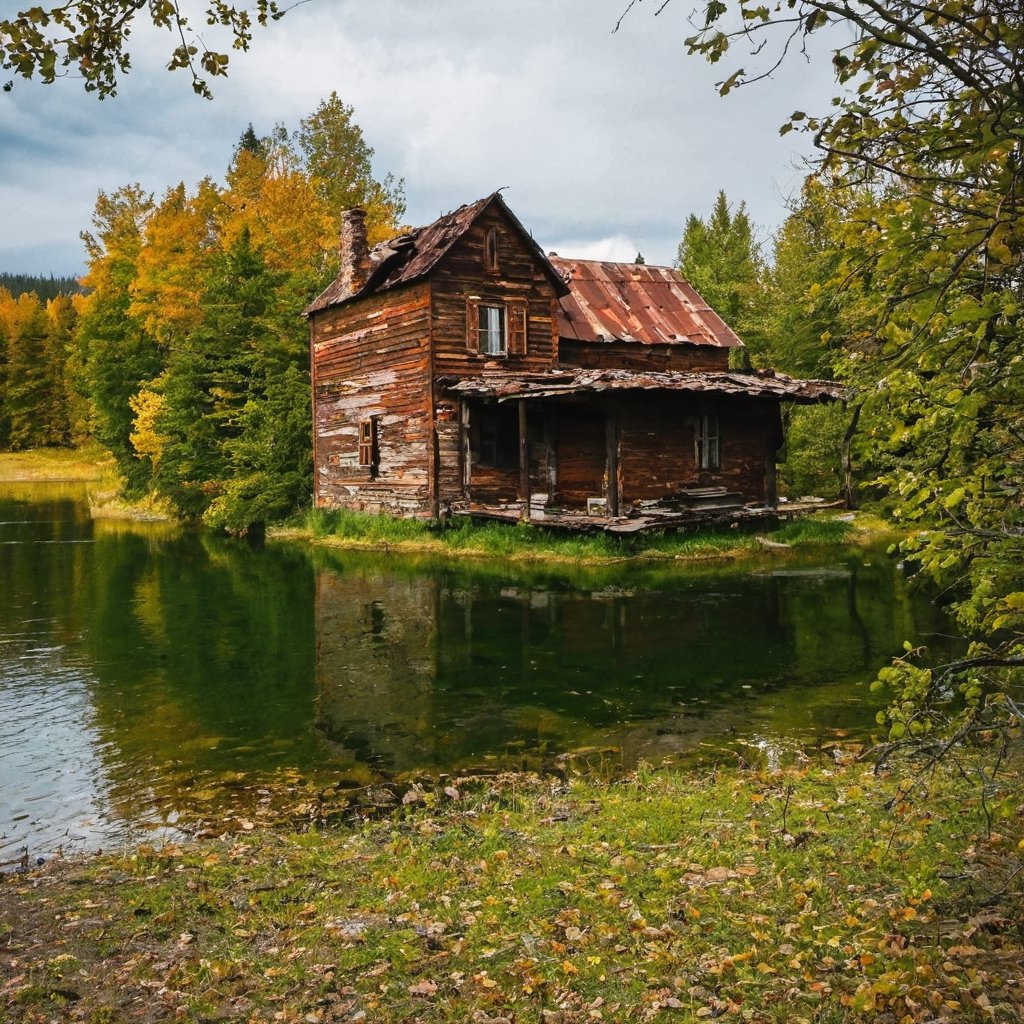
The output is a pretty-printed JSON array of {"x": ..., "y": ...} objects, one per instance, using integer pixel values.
[
  {"x": 90, "y": 38},
  {"x": 922, "y": 151}
]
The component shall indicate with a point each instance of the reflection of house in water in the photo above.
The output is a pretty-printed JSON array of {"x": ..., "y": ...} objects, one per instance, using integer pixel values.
[
  {"x": 415, "y": 671},
  {"x": 441, "y": 669}
]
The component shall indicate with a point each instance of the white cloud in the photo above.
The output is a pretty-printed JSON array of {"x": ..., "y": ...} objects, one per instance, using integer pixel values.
[
  {"x": 602, "y": 138},
  {"x": 617, "y": 249}
]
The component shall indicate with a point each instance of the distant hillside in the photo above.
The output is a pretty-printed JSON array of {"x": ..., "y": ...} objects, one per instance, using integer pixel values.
[{"x": 45, "y": 287}]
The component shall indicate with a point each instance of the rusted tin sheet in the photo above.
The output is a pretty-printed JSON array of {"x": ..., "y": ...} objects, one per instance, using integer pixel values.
[
  {"x": 764, "y": 383},
  {"x": 635, "y": 302}
]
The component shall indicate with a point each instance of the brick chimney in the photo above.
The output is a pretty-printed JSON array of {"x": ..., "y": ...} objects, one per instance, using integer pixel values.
[{"x": 353, "y": 250}]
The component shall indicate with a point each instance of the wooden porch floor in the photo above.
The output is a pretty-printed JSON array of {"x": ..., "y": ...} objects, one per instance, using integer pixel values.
[{"x": 651, "y": 517}]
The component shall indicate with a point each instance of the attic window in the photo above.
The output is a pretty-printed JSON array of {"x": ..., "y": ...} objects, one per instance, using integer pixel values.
[{"x": 491, "y": 250}]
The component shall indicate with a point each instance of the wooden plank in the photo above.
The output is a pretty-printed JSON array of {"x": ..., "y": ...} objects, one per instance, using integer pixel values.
[
  {"x": 524, "y": 463},
  {"x": 612, "y": 457},
  {"x": 371, "y": 359}
]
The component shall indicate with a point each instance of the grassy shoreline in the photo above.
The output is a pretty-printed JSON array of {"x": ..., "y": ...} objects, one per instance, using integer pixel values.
[
  {"x": 89, "y": 464},
  {"x": 767, "y": 897},
  {"x": 518, "y": 544},
  {"x": 527, "y": 544}
]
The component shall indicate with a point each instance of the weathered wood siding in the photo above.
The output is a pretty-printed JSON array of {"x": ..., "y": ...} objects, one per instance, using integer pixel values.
[
  {"x": 371, "y": 360},
  {"x": 449, "y": 451},
  {"x": 519, "y": 276},
  {"x": 623, "y": 355},
  {"x": 657, "y": 444},
  {"x": 582, "y": 454},
  {"x": 461, "y": 279}
]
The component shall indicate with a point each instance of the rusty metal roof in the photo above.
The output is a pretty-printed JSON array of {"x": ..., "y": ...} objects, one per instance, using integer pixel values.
[
  {"x": 638, "y": 303},
  {"x": 764, "y": 383},
  {"x": 410, "y": 256}
]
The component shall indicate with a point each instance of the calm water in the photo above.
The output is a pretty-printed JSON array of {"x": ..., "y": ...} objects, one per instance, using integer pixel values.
[{"x": 140, "y": 663}]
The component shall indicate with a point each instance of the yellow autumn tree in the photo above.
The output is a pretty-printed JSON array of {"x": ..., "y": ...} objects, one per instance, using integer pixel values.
[
  {"x": 169, "y": 271},
  {"x": 208, "y": 287},
  {"x": 147, "y": 406}
]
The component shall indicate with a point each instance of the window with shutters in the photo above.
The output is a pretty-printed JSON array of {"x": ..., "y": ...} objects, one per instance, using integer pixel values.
[
  {"x": 708, "y": 441},
  {"x": 497, "y": 328},
  {"x": 368, "y": 453}
]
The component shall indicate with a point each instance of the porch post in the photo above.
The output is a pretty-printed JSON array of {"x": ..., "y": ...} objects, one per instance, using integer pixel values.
[
  {"x": 465, "y": 453},
  {"x": 435, "y": 473},
  {"x": 771, "y": 485},
  {"x": 612, "y": 444},
  {"x": 524, "y": 463}
]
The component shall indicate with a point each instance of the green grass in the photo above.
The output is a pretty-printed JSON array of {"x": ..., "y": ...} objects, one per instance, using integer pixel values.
[
  {"x": 46, "y": 465},
  {"x": 747, "y": 896},
  {"x": 525, "y": 541}
]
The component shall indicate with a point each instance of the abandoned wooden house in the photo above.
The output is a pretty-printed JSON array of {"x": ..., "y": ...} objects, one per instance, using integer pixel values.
[{"x": 459, "y": 368}]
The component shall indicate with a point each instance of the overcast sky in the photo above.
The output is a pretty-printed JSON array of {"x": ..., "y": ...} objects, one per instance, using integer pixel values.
[{"x": 605, "y": 140}]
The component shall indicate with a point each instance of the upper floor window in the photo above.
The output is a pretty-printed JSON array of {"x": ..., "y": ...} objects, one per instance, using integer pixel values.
[
  {"x": 708, "y": 441},
  {"x": 491, "y": 250},
  {"x": 493, "y": 340},
  {"x": 495, "y": 328}
]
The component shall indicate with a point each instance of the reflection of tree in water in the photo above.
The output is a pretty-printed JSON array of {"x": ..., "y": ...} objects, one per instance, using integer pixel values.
[
  {"x": 197, "y": 660},
  {"x": 201, "y": 653}
]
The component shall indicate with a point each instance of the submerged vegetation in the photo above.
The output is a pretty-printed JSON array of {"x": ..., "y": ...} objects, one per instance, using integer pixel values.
[{"x": 823, "y": 891}]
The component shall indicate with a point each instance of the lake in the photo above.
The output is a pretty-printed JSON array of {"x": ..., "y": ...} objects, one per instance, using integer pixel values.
[{"x": 143, "y": 668}]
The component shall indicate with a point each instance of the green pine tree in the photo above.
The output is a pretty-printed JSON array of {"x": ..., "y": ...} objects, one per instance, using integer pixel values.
[
  {"x": 29, "y": 382},
  {"x": 721, "y": 258}
]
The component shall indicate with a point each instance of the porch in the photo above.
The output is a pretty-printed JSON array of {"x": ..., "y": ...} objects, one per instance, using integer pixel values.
[
  {"x": 646, "y": 517},
  {"x": 617, "y": 450}
]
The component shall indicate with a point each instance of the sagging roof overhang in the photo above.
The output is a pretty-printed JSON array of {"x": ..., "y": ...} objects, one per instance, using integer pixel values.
[{"x": 763, "y": 384}]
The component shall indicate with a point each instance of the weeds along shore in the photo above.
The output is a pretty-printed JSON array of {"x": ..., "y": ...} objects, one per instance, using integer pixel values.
[{"x": 821, "y": 891}]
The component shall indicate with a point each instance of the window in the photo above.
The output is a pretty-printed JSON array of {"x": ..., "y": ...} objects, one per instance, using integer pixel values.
[
  {"x": 368, "y": 453},
  {"x": 492, "y": 340},
  {"x": 707, "y": 441},
  {"x": 491, "y": 251},
  {"x": 496, "y": 328},
  {"x": 496, "y": 436}
]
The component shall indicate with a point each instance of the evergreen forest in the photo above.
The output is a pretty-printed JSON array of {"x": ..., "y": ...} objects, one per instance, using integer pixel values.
[{"x": 45, "y": 288}]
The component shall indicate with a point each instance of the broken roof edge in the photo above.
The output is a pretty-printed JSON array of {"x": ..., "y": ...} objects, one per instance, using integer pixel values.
[
  {"x": 383, "y": 254},
  {"x": 573, "y": 381}
]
